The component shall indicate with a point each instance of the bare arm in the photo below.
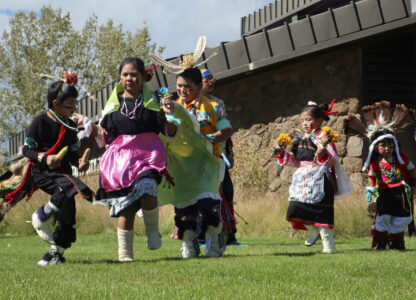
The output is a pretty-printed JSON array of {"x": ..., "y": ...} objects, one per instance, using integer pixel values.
[{"x": 223, "y": 135}]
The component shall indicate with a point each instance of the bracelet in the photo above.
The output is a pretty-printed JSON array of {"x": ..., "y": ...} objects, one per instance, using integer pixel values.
[{"x": 40, "y": 156}]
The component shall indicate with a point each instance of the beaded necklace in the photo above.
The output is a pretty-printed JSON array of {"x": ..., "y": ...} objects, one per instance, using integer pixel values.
[
  {"x": 124, "y": 109},
  {"x": 62, "y": 122},
  {"x": 392, "y": 175}
]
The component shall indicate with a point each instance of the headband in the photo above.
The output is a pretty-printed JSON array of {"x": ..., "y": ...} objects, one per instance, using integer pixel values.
[
  {"x": 374, "y": 143},
  {"x": 71, "y": 79},
  {"x": 206, "y": 73}
]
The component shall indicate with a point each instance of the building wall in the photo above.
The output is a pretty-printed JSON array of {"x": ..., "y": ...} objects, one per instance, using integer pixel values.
[{"x": 284, "y": 90}]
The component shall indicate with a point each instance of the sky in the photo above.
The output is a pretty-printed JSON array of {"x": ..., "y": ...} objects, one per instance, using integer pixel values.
[{"x": 175, "y": 24}]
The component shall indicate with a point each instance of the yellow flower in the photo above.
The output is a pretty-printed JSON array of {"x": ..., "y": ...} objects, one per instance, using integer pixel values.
[
  {"x": 329, "y": 135},
  {"x": 326, "y": 130},
  {"x": 284, "y": 140}
]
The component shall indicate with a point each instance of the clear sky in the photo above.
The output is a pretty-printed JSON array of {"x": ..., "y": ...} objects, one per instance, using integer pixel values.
[{"x": 176, "y": 24}]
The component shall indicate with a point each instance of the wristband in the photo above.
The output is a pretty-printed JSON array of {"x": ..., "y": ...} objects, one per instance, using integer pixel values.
[
  {"x": 211, "y": 137},
  {"x": 40, "y": 156},
  {"x": 43, "y": 162}
]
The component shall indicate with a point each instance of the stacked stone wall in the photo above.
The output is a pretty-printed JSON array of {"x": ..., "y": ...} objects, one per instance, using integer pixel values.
[{"x": 253, "y": 148}]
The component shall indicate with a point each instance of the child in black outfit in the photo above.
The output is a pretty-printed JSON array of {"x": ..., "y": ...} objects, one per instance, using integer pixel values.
[{"x": 50, "y": 132}]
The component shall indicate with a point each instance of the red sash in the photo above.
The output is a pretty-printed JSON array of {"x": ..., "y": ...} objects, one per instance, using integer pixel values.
[{"x": 28, "y": 174}]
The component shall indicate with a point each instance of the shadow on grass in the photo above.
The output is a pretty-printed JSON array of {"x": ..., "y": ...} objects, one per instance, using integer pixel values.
[
  {"x": 116, "y": 262},
  {"x": 301, "y": 254},
  {"x": 379, "y": 251}
]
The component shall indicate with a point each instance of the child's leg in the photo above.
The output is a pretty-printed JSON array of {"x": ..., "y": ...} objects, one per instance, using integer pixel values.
[
  {"x": 125, "y": 244},
  {"x": 52, "y": 257},
  {"x": 327, "y": 240},
  {"x": 64, "y": 234},
  {"x": 150, "y": 212},
  {"x": 190, "y": 245},
  {"x": 186, "y": 224},
  {"x": 214, "y": 237},
  {"x": 125, "y": 234},
  {"x": 313, "y": 235},
  {"x": 42, "y": 219},
  {"x": 380, "y": 235},
  {"x": 398, "y": 226}
]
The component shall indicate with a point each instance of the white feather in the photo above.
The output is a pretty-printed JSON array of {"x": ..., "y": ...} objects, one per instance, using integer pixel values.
[
  {"x": 200, "y": 47},
  {"x": 163, "y": 62}
]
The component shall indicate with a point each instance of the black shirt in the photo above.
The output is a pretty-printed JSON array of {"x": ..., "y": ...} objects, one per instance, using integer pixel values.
[
  {"x": 144, "y": 120},
  {"x": 43, "y": 134}
]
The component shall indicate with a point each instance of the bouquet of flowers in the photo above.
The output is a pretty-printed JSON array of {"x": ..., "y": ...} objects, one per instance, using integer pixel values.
[
  {"x": 283, "y": 140},
  {"x": 162, "y": 93},
  {"x": 329, "y": 136}
]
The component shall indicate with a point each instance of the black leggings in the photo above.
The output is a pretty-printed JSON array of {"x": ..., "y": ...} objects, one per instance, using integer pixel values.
[{"x": 187, "y": 218}]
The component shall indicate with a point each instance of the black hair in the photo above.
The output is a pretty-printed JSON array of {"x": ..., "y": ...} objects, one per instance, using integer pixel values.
[
  {"x": 60, "y": 90},
  {"x": 316, "y": 111},
  {"x": 376, "y": 135},
  {"x": 138, "y": 64},
  {"x": 193, "y": 74}
]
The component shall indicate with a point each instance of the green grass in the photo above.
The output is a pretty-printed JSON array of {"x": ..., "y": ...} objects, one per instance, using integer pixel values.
[{"x": 279, "y": 268}]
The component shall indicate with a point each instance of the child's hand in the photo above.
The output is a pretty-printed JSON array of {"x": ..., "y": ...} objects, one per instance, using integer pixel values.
[
  {"x": 52, "y": 161},
  {"x": 83, "y": 165},
  {"x": 278, "y": 150},
  {"x": 79, "y": 119},
  {"x": 321, "y": 152},
  {"x": 168, "y": 105}
]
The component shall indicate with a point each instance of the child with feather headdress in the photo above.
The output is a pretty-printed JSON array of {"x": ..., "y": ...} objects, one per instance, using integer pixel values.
[{"x": 391, "y": 176}]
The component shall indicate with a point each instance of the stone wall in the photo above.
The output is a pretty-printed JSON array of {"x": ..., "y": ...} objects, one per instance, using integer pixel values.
[{"x": 255, "y": 145}]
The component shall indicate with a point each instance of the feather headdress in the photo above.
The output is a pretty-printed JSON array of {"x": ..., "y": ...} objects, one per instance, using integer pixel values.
[
  {"x": 381, "y": 118},
  {"x": 69, "y": 78},
  {"x": 187, "y": 61}
]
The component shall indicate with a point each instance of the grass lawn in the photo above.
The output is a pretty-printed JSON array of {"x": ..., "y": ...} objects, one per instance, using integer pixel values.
[{"x": 268, "y": 268}]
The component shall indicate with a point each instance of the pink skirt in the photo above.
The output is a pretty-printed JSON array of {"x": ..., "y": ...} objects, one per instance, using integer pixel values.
[{"x": 127, "y": 157}]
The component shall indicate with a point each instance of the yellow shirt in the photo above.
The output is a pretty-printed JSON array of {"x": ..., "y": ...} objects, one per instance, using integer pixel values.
[{"x": 211, "y": 118}]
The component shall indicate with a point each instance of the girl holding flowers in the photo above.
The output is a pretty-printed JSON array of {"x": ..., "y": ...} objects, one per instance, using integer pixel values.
[{"x": 314, "y": 183}]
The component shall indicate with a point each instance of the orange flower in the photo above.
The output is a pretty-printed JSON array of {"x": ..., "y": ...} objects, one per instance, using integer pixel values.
[{"x": 284, "y": 140}]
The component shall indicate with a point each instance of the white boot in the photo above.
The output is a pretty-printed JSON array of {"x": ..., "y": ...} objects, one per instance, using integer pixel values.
[
  {"x": 43, "y": 228},
  {"x": 190, "y": 247},
  {"x": 151, "y": 223},
  {"x": 125, "y": 245},
  {"x": 214, "y": 241},
  {"x": 327, "y": 240},
  {"x": 313, "y": 235}
]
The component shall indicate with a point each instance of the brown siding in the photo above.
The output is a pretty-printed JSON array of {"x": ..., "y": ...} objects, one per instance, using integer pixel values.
[{"x": 284, "y": 90}]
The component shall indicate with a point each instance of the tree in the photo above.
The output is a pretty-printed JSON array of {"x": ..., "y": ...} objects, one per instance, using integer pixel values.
[{"x": 48, "y": 43}]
